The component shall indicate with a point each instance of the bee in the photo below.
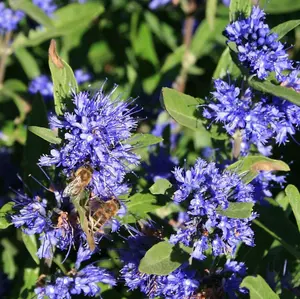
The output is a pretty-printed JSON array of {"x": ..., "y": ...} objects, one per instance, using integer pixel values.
[
  {"x": 101, "y": 211},
  {"x": 83, "y": 176}
]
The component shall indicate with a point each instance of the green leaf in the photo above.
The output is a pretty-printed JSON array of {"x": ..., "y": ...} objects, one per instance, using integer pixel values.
[
  {"x": 30, "y": 278},
  {"x": 182, "y": 107},
  {"x": 279, "y": 6},
  {"x": 237, "y": 210},
  {"x": 163, "y": 31},
  {"x": 160, "y": 186},
  {"x": 278, "y": 225},
  {"x": 144, "y": 46},
  {"x": 249, "y": 167},
  {"x": 294, "y": 199},
  {"x": 63, "y": 78},
  {"x": 139, "y": 205},
  {"x": 203, "y": 41},
  {"x": 35, "y": 146},
  {"x": 20, "y": 103},
  {"x": 210, "y": 12},
  {"x": 282, "y": 92},
  {"x": 66, "y": 20},
  {"x": 140, "y": 140},
  {"x": 285, "y": 28},
  {"x": 46, "y": 134},
  {"x": 28, "y": 63},
  {"x": 226, "y": 66},
  {"x": 173, "y": 59},
  {"x": 239, "y": 8},
  {"x": 8, "y": 253},
  {"x": 258, "y": 288},
  {"x": 3, "y": 214},
  {"x": 31, "y": 245},
  {"x": 162, "y": 259},
  {"x": 33, "y": 11}
]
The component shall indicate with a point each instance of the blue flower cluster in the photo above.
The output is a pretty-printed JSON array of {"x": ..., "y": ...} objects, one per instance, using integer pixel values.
[
  {"x": 259, "y": 121},
  {"x": 205, "y": 189},
  {"x": 9, "y": 18},
  {"x": 43, "y": 84},
  {"x": 35, "y": 216},
  {"x": 83, "y": 282},
  {"x": 258, "y": 48},
  {"x": 185, "y": 282},
  {"x": 94, "y": 135},
  {"x": 48, "y": 6},
  {"x": 181, "y": 283}
]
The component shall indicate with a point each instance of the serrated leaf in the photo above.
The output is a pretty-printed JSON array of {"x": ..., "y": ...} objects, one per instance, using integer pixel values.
[
  {"x": 294, "y": 199},
  {"x": 282, "y": 92},
  {"x": 160, "y": 186},
  {"x": 45, "y": 133},
  {"x": 239, "y": 8},
  {"x": 183, "y": 108},
  {"x": 143, "y": 140},
  {"x": 162, "y": 259},
  {"x": 138, "y": 207},
  {"x": 33, "y": 11},
  {"x": 64, "y": 82},
  {"x": 258, "y": 288},
  {"x": 238, "y": 210},
  {"x": 31, "y": 245},
  {"x": 285, "y": 28},
  {"x": 4, "y": 223},
  {"x": 249, "y": 167}
]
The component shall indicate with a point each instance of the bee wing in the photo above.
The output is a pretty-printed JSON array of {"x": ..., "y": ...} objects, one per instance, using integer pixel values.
[
  {"x": 73, "y": 188},
  {"x": 95, "y": 204}
]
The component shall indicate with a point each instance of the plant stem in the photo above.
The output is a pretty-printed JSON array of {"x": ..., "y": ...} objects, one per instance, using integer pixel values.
[
  {"x": 4, "y": 56},
  {"x": 180, "y": 82}
]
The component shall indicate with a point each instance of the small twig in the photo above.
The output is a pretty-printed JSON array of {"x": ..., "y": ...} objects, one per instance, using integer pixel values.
[{"x": 4, "y": 56}]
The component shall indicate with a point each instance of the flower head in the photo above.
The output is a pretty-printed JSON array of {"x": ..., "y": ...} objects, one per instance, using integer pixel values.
[
  {"x": 83, "y": 282},
  {"x": 207, "y": 189},
  {"x": 9, "y": 18},
  {"x": 94, "y": 135},
  {"x": 180, "y": 283},
  {"x": 43, "y": 85},
  {"x": 48, "y": 6},
  {"x": 258, "y": 48},
  {"x": 259, "y": 118}
]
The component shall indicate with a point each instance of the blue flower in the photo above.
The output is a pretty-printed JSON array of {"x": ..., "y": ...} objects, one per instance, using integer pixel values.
[
  {"x": 206, "y": 188},
  {"x": 181, "y": 283},
  {"x": 82, "y": 76},
  {"x": 264, "y": 183},
  {"x": 94, "y": 135},
  {"x": 259, "y": 121},
  {"x": 258, "y": 48},
  {"x": 32, "y": 215},
  {"x": 43, "y": 85},
  {"x": 83, "y": 282},
  {"x": 48, "y": 6},
  {"x": 154, "y": 4},
  {"x": 9, "y": 18}
]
